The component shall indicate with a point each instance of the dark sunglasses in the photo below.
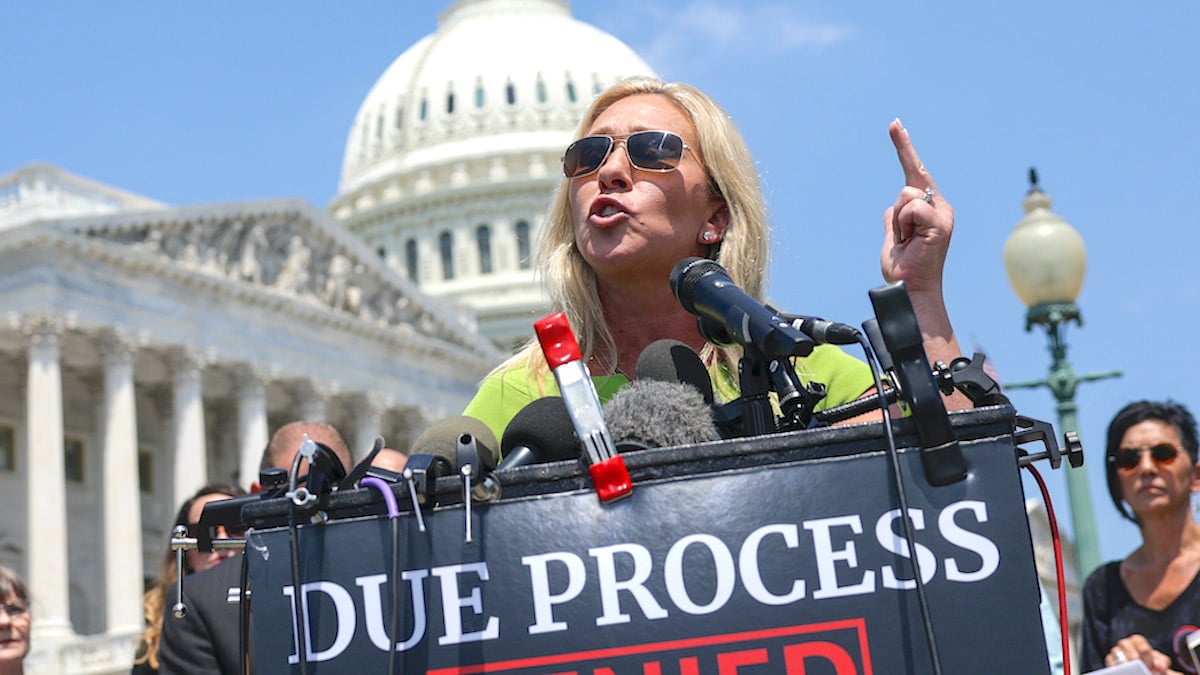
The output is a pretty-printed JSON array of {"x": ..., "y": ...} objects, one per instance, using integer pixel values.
[
  {"x": 659, "y": 151},
  {"x": 231, "y": 531},
  {"x": 1127, "y": 459}
]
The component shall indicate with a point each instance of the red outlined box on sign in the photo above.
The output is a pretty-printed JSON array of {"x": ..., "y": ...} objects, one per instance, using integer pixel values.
[{"x": 842, "y": 644}]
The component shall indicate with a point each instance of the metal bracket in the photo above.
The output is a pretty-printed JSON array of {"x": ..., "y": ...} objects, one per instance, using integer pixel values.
[{"x": 1028, "y": 429}]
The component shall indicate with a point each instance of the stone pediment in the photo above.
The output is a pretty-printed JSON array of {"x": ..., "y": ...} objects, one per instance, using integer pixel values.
[
  {"x": 284, "y": 249},
  {"x": 44, "y": 192}
]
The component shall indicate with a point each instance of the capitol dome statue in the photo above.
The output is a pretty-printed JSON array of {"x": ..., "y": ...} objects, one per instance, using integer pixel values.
[{"x": 453, "y": 156}]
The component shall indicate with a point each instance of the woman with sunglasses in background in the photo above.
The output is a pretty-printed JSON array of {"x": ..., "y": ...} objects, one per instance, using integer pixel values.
[
  {"x": 659, "y": 173},
  {"x": 14, "y": 623},
  {"x": 1145, "y": 606},
  {"x": 194, "y": 561}
]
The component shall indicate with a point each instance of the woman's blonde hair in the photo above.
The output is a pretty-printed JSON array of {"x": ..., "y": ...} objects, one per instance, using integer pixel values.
[{"x": 732, "y": 178}]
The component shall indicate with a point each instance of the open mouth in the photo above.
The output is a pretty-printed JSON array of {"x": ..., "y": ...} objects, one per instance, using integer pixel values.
[{"x": 606, "y": 210}]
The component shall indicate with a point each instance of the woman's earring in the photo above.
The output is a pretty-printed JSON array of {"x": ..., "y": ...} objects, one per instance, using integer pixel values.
[{"x": 707, "y": 237}]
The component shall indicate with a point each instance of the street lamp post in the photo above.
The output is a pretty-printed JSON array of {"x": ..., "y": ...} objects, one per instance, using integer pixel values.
[{"x": 1045, "y": 259}]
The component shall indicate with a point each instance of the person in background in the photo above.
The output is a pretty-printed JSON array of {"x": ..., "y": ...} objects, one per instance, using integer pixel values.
[
  {"x": 207, "y": 640},
  {"x": 390, "y": 459},
  {"x": 1145, "y": 606},
  {"x": 154, "y": 600},
  {"x": 14, "y": 623},
  {"x": 659, "y": 173}
]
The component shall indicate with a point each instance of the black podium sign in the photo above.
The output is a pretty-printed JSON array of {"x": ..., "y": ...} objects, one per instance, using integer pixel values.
[{"x": 782, "y": 554}]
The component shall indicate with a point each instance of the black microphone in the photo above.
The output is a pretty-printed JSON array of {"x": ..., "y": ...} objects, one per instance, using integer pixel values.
[
  {"x": 670, "y": 360},
  {"x": 653, "y": 414},
  {"x": 704, "y": 288},
  {"x": 325, "y": 468},
  {"x": 882, "y": 355},
  {"x": 540, "y": 432},
  {"x": 825, "y": 332}
]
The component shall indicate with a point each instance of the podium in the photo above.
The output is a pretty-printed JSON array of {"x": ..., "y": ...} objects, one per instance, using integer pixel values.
[{"x": 771, "y": 554}]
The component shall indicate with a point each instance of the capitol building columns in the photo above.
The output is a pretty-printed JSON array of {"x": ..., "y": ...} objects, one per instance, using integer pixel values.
[
  {"x": 92, "y": 419},
  {"x": 368, "y": 422},
  {"x": 313, "y": 397},
  {"x": 121, "y": 510},
  {"x": 45, "y": 485},
  {"x": 187, "y": 397},
  {"x": 251, "y": 421}
]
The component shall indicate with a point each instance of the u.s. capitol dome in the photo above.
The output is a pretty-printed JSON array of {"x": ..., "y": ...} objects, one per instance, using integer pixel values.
[{"x": 454, "y": 154}]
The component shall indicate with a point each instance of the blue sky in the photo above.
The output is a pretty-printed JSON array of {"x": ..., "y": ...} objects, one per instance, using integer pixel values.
[{"x": 193, "y": 103}]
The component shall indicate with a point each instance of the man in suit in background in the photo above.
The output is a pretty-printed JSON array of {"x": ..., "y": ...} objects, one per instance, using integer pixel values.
[{"x": 207, "y": 639}]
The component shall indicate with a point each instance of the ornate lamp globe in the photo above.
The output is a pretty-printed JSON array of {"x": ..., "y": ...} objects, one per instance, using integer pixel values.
[{"x": 1046, "y": 260}]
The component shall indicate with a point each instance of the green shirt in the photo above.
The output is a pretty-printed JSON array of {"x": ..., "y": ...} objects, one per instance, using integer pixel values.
[{"x": 502, "y": 395}]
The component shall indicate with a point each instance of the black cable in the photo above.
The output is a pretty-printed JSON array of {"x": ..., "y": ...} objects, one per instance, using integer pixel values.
[
  {"x": 393, "y": 512},
  {"x": 859, "y": 406},
  {"x": 244, "y": 616},
  {"x": 902, "y": 494},
  {"x": 294, "y": 541}
]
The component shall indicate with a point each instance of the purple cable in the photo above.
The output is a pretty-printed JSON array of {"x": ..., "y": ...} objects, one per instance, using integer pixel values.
[{"x": 388, "y": 497}]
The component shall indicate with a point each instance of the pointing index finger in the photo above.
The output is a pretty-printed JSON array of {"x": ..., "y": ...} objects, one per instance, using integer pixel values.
[{"x": 914, "y": 170}]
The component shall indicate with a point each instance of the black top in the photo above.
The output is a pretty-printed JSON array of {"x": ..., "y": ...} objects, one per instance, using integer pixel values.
[
  {"x": 207, "y": 639},
  {"x": 1110, "y": 613}
]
